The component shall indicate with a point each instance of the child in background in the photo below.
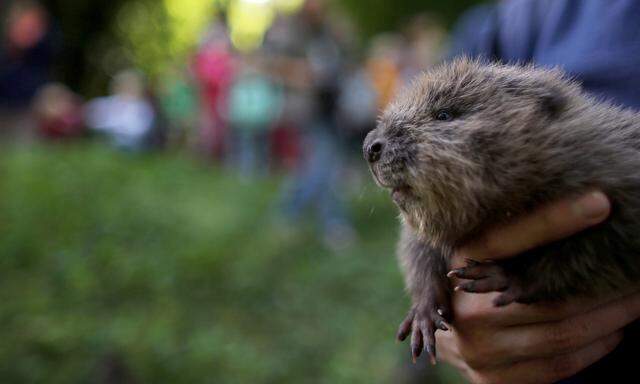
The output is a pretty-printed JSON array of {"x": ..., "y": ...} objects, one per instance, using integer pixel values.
[
  {"x": 58, "y": 112},
  {"x": 126, "y": 117},
  {"x": 255, "y": 103}
]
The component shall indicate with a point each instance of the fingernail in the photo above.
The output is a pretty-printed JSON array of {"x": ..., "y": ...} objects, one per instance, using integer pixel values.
[
  {"x": 432, "y": 354},
  {"x": 592, "y": 206},
  {"x": 452, "y": 273}
]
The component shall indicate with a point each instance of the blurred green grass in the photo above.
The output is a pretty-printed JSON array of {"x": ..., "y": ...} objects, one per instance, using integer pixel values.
[{"x": 178, "y": 272}]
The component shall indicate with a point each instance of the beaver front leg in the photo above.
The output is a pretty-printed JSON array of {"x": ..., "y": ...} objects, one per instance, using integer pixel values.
[
  {"x": 485, "y": 277},
  {"x": 425, "y": 271},
  {"x": 551, "y": 273}
]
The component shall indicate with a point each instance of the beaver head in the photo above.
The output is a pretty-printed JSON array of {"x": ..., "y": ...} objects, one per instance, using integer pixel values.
[{"x": 464, "y": 140}]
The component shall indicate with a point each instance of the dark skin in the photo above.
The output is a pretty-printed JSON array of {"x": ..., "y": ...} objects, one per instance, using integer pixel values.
[{"x": 536, "y": 343}]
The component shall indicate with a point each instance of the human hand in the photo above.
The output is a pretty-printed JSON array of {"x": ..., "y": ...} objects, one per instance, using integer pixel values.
[{"x": 540, "y": 343}]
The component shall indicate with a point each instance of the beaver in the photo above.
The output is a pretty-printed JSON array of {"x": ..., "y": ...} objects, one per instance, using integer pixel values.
[{"x": 469, "y": 145}]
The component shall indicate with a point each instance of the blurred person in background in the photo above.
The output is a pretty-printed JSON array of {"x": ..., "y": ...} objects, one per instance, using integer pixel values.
[
  {"x": 126, "y": 117},
  {"x": 425, "y": 39},
  {"x": 27, "y": 50},
  {"x": 254, "y": 107},
  {"x": 357, "y": 105},
  {"x": 317, "y": 182},
  {"x": 598, "y": 43},
  {"x": 214, "y": 71},
  {"x": 384, "y": 66},
  {"x": 178, "y": 98},
  {"x": 284, "y": 54},
  {"x": 58, "y": 112}
]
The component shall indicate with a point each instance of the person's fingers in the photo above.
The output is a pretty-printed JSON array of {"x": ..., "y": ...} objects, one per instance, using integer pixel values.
[
  {"x": 550, "y": 339},
  {"x": 547, "y": 224},
  {"x": 486, "y": 344},
  {"x": 491, "y": 347},
  {"x": 471, "y": 308},
  {"x": 546, "y": 370}
]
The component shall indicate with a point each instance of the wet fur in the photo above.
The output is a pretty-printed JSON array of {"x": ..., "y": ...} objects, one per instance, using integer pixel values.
[{"x": 520, "y": 137}]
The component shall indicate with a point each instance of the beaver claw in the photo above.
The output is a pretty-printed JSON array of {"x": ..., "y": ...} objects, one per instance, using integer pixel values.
[
  {"x": 491, "y": 277},
  {"x": 421, "y": 322}
]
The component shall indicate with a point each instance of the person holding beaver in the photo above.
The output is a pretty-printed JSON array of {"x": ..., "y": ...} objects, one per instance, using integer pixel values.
[{"x": 582, "y": 341}]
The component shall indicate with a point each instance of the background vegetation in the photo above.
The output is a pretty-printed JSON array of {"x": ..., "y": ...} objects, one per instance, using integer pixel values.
[
  {"x": 103, "y": 36},
  {"x": 154, "y": 269}
]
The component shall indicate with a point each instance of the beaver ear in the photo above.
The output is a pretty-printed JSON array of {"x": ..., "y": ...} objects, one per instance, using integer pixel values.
[
  {"x": 552, "y": 103},
  {"x": 550, "y": 100}
]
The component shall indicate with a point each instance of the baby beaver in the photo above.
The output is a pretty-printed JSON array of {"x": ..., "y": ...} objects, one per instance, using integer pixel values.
[{"x": 469, "y": 145}]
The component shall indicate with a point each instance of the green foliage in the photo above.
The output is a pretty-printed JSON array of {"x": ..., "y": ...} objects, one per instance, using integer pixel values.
[
  {"x": 101, "y": 37},
  {"x": 89, "y": 50},
  {"x": 374, "y": 16},
  {"x": 177, "y": 271}
]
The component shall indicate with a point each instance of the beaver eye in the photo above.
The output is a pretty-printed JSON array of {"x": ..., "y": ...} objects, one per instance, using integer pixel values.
[{"x": 444, "y": 115}]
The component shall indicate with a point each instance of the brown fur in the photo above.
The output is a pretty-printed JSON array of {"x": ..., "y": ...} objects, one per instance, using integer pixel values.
[{"x": 518, "y": 137}]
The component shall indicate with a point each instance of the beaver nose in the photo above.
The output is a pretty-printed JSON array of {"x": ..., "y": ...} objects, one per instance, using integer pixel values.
[{"x": 374, "y": 150}]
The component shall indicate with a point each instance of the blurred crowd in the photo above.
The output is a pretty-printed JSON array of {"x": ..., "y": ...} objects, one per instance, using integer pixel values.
[{"x": 301, "y": 103}]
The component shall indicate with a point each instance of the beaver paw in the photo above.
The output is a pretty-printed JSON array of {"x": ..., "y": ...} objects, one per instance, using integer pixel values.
[
  {"x": 491, "y": 277},
  {"x": 421, "y": 322}
]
